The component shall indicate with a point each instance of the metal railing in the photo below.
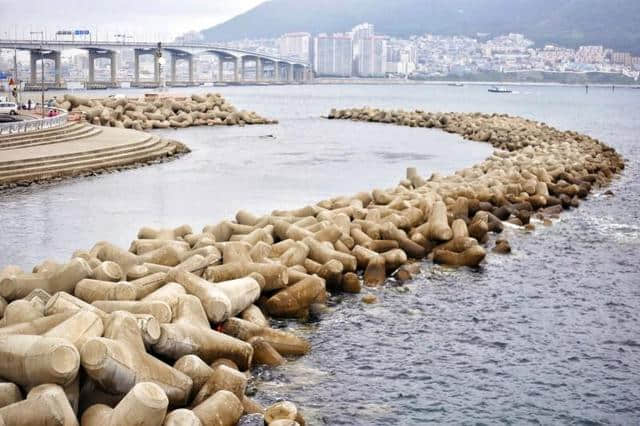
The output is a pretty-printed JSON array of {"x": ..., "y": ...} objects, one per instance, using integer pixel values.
[{"x": 35, "y": 125}]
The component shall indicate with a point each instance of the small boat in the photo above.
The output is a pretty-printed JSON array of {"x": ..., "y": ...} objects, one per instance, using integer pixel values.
[
  {"x": 496, "y": 89},
  {"x": 456, "y": 84}
]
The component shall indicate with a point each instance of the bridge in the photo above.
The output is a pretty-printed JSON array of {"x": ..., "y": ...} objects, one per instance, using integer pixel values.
[{"x": 280, "y": 69}]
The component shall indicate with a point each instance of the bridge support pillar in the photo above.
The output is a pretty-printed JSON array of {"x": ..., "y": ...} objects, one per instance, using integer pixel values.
[
  {"x": 38, "y": 55},
  {"x": 58, "y": 67},
  {"x": 236, "y": 70},
  {"x": 92, "y": 67},
  {"x": 220, "y": 69},
  {"x": 173, "y": 67},
  {"x": 114, "y": 67},
  {"x": 289, "y": 72},
  {"x": 276, "y": 71},
  {"x": 33, "y": 59},
  {"x": 191, "y": 69},
  {"x": 136, "y": 66},
  {"x": 259, "y": 69},
  {"x": 172, "y": 72},
  {"x": 156, "y": 69}
]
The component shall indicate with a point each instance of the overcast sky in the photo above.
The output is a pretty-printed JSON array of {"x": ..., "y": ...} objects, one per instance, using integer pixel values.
[{"x": 150, "y": 20}]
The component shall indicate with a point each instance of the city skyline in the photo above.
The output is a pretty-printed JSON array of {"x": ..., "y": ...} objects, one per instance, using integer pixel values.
[{"x": 363, "y": 53}]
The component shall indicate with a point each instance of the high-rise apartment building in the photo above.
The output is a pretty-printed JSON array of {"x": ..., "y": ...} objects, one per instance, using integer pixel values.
[
  {"x": 369, "y": 52},
  {"x": 372, "y": 58},
  {"x": 295, "y": 45},
  {"x": 363, "y": 31},
  {"x": 332, "y": 55}
]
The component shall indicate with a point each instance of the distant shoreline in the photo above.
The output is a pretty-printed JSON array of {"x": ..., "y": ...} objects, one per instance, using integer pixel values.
[
  {"x": 386, "y": 81},
  {"x": 50, "y": 93}
]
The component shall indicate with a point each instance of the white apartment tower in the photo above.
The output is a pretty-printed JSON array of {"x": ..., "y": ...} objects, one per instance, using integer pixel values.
[
  {"x": 332, "y": 55},
  {"x": 369, "y": 52},
  {"x": 372, "y": 60},
  {"x": 295, "y": 45}
]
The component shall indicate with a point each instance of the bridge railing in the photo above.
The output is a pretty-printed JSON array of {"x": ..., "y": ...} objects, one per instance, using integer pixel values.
[{"x": 37, "y": 124}]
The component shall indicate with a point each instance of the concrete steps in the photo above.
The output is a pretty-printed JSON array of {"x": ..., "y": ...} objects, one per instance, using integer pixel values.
[
  {"x": 157, "y": 149},
  {"x": 78, "y": 150},
  {"x": 46, "y": 132},
  {"x": 75, "y": 134},
  {"x": 44, "y": 135},
  {"x": 52, "y": 160}
]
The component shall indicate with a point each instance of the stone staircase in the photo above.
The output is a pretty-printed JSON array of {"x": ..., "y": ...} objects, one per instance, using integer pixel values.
[
  {"x": 75, "y": 149},
  {"x": 66, "y": 133}
]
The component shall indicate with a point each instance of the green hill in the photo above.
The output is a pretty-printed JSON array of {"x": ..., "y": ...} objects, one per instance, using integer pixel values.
[{"x": 614, "y": 23}]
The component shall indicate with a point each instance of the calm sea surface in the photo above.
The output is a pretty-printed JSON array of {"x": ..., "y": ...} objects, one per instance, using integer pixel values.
[{"x": 549, "y": 334}]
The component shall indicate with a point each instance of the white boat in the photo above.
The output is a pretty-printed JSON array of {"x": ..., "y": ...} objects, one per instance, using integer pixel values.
[{"x": 496, "y": 89}]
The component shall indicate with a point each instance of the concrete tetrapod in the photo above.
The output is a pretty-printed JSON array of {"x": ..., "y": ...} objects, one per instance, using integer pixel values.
[
  {"x": 164, "y": 234},
  {"x": 285, "y": 343},
  {"x": 78, "y": 328},
  {"x": 241, "y": 292},
  {"x": 33, "y": 360},
  {"x": 275, "y": 276},
  {"x": 118, "y": 361},
  {"x": 374, "y": 265},
  {"x": 91, "y": 290},
  {"x": 182, "y": 417},
  {"x": 254, "y": 314},
  {"x": 264, "y": 353},
  {"x": 9, "y": 394},
  {"x": 469, "y": 257},
  {"x": 147, "y": 113},
  {"x": 190, "y": 333},
  {"x": 294, "y": 301},
  {"x": 20, "y": 311},
  {"x": 144, "y": 405},
  {"x": 45, "y": 405},
  {"x": 168, "y": 293},
  {"x": 108, "y": 271},
  {"x": 222, "y": 378},
  {"x": 91, "y": 394},
  {"x": 64, "y": 278},
  {"x": 142, "y": 246},
  {"x": 159, "y": 310},
  {"x": 197, "y": 369},
  {"x": 131, "y": 265},
  {"x": 221, "y": 409},
  {"x": 64, "y": 302},
  {"x": 439, "y": 229},
  {"x": 323, "y": 254},
  {"x": 283, "y": 410},
  {"x": 330, "y": 272},
  {"x": 215, "y": 303}
]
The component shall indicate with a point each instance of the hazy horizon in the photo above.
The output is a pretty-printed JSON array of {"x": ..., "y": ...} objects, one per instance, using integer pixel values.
[{"x": 165, "y": 20}]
